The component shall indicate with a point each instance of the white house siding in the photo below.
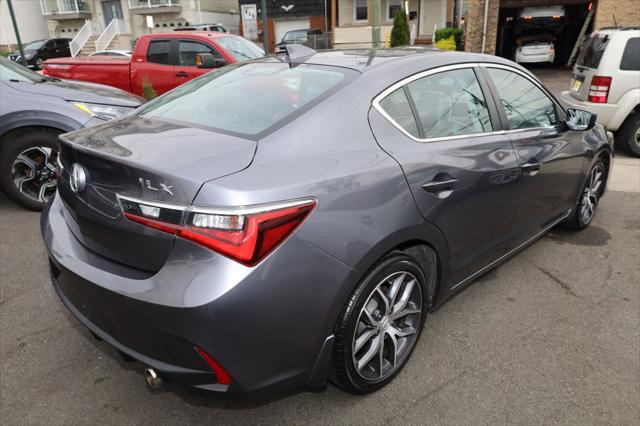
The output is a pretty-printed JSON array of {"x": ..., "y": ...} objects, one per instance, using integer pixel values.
[
  {"x": 359, "y": 36},
  {"x": 31, "y": 24}
]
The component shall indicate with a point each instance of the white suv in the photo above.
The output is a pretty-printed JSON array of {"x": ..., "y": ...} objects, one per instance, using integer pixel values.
[{"x": 606, "y": 81}]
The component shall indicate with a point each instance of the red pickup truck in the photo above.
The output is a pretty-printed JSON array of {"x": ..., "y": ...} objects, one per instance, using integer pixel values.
[{"x": 163, "y": 60}]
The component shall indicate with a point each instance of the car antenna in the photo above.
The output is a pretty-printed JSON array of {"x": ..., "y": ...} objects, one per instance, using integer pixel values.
[{"x": 297, "y": 54}]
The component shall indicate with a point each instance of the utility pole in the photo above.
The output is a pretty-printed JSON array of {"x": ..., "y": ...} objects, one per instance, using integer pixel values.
[
  {"x": 15, "y": 29},
  {"x": 265, "y": 31},
  {"x": 375, "y": 23}
]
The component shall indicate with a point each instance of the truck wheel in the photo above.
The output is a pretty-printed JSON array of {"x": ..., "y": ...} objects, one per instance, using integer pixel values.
[
  {"x": 629, "y": 135},
  {"x": 27, "y": 167}
]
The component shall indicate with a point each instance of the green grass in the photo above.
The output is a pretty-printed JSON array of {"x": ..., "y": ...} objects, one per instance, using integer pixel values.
[{"x": 5, "y": 54}]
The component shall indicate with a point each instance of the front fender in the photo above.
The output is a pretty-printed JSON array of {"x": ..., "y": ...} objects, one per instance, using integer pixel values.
[{"x": 20, "y": 119}]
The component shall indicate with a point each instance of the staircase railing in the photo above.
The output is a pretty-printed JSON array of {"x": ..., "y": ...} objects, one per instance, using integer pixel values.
[
  {"x": 115, "y": 27},
  {"x": 81, "y": 38}
]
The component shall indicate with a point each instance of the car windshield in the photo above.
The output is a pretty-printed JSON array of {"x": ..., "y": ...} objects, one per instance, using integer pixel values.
[
  {"x": 11, "y": 71},
  {"x": 295, "y": 35},
  {"x": 35, "y": 45},
  {"x": 240, "y": 48},
  {"x": 592, "y": 51},
  {"x": 247, "y": 99}
]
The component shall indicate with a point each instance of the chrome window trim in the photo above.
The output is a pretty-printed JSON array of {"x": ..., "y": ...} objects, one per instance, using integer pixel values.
[
  {"x": 386, "y": 92},
  {"x": 169, "y": 206},
  {"x": 376, "y": 101}
]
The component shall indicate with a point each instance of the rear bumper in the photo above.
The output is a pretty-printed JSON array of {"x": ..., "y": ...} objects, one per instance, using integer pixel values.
[
  {"x": 605, "y": 112},
  {"x": 538, "y": 58},
  {"x": 269, "y": 326}
]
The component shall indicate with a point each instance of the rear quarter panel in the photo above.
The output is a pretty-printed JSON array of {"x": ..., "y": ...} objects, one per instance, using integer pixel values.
[{"x": 112, "y": 72}]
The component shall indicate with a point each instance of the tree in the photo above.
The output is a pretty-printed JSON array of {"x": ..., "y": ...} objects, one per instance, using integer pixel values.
[
  {"x": 148, "y": 92},
  {"x": 400, "y": 30}
]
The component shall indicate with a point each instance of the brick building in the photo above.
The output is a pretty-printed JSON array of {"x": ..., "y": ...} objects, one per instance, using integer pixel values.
[{"x": 606, "y": 13}]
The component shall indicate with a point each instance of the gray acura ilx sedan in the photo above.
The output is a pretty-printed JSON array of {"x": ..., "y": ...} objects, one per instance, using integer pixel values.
[{"x": 285, "y": 221}]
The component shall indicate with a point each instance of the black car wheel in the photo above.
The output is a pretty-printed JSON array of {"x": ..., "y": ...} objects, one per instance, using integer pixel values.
[
  {"x": 27, "y": 167},
  {"x": 39, "y": 61},
  {"x": 380, "y": 325},
  {"x": 593, "y": 189},
  {"x": 629, "y": 135}
]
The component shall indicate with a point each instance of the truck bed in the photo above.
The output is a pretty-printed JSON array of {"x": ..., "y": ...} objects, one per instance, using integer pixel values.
[{"x": 110, "y": 71}]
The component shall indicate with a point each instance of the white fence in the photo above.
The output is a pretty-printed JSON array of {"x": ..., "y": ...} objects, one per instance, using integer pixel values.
[
  {"x": 115, "y": 27},
  {"x": 81, "y": 38}
]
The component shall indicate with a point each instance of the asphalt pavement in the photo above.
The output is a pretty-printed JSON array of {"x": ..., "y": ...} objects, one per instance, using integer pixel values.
[{"x": 550, "y": 337}]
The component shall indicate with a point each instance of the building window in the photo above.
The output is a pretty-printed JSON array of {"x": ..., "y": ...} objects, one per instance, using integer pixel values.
[
  {"x": 360, "y": 10},
  {"x": 393, "y": 6}
]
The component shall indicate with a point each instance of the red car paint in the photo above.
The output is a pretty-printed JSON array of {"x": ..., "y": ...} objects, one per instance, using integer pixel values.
[{"x": 129, "y": 74}]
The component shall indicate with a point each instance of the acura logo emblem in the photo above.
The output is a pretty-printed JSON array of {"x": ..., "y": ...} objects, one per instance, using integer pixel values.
[{"x": 77, "y": 178}]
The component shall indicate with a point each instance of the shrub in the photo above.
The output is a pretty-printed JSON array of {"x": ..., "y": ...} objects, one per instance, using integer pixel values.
[
  {"x": 148, "y": 91},
  {"x": 445, "y": 33},
  {"x": 5, "y": 54},
  {"x": 446, "y": 43},
  {"x": 400, "y": 30}
]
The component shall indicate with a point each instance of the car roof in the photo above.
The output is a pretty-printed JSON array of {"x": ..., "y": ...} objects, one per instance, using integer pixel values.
[
  {"x": 364, "y": 60},
  {"x": 202, "y": 33}
]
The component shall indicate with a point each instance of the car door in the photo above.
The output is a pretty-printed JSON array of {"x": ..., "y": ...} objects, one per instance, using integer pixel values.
[
  {"x": 551, "y": 158},
  {"x": 48, "y": 51},
  {"x": 156, "y": 69},
  {"x": 65, "y": 50},
  {"x": 444, "y": 131},
  {"x": 186, "y": 68}
]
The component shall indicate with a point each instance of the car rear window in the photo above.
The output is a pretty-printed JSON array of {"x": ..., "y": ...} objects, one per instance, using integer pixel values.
[
  {"x": 248, "y": 99},
  {"x": 631, "y": 56},
  {"x": 592, "y": 51}
]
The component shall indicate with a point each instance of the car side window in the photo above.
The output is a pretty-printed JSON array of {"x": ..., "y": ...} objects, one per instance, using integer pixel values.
[
  {"x": 396, "y": 105},
  {"x": 450, "y": 103},
  {"x": 524, "y": 103},
  {"x": 190, "y": 49},
  {"x": 158, "y": 52},
  {"x": 631, "y": 56}
]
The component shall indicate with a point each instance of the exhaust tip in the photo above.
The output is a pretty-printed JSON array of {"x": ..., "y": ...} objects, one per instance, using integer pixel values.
[{"x": 152, "y": 378}]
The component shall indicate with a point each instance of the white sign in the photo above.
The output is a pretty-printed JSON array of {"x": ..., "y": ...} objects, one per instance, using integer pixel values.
[
  {"x": 149, "y": 21},
  {"x": 249, "y": 13}
]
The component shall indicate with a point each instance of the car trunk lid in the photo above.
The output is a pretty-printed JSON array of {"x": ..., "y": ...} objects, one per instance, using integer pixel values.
[
  {"x": 535, "y": 49},
  {"x": 144, "y": 159}
]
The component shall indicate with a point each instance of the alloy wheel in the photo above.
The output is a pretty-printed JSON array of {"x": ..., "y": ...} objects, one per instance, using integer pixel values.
[
  {"x": 387, "y": 326},
  {"x": 591, "y": 194},
  {"x": 33, "y": 173},
  {"x": 637, "y": 137}
]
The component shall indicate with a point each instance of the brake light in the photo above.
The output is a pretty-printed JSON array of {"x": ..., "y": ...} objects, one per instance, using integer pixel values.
[
  {"x": 599, "y": 89},
  {"x": 246, "y": 235},
  {"x": 45, "y": 71}
]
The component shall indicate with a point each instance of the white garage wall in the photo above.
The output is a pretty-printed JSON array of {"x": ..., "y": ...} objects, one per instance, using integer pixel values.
[
  {"x": 282, "y": 26},
  {"x": 31, "y": 24}
]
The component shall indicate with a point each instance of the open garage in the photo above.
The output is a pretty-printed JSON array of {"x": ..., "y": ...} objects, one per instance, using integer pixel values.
[{"x": 523, "y": 23}]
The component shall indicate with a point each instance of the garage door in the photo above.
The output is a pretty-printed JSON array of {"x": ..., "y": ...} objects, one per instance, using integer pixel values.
[{"x": 281, "y": 27}]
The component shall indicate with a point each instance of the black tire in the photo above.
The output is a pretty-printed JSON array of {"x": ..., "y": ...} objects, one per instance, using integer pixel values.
[
  {"x": 629, "y": 135},
  {"x": 577, "y": 221},
  {"x": 344, "y": 371},
  {"x": 15, "y": 143},
  {"x": 38, "y": 62}
]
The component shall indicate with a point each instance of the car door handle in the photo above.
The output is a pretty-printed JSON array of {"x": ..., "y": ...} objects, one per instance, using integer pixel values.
[
  {"x": 440, "y": 188},
  {"x": 531, "y": 168},
  {"x": 182, "y": 74}
]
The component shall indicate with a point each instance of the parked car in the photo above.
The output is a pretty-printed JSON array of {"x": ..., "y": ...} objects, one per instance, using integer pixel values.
[
  {"x": 34, "y": 110},
  {"x": 548, "y": 18},
  {"x": 218, "y": 28},
  {"x": 606, "y": 82},
  {"x": 162, "y": 61},
  {"x": 116, "y": 53},
  {"x": 293, "y": 219},
  {"x": 302, "y": 36},
  {"x": 36, "y": 52},
  {"x": 537, "y": 49}
]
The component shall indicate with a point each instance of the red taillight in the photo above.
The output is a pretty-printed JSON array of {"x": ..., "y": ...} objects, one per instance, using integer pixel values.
[
  {"x": 246, "y": 235},
  {"x": 599, "y": 90},
  {"x": 222, "y": 376},
  {"x": 45, "y": 71}
]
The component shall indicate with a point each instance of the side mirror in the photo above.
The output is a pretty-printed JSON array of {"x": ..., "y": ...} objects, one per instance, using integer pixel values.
[
  {"x": 206, "y": 60},
  {"x": 578, "y": 119}
]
